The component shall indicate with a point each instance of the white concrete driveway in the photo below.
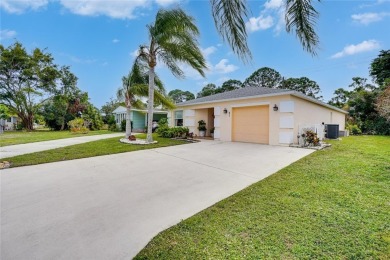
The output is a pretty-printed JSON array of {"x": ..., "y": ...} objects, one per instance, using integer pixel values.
[
  {"x": 109, "y": 207},
  {"x": 19, "y": 149}
]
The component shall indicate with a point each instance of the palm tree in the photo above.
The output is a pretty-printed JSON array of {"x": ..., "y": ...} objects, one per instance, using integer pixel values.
[
  {"x": 172, "y": 39},
  {"x": 134, "y": 87},
  {"x": 300, "y": 16}
]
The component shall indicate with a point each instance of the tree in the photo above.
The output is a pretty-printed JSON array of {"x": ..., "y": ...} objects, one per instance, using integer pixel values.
[
  {"x": 341, "y": 98},
  {"x": 359, "y": 84},
  {"x": 25, "y": 80},
  {"x": 108, "y": 108},
  {"x": 172, "y": 39},
  {"x": 179, "y": 96},
  {"x": 4, "y": 114},
  {"x": 208, "y": 90},
  {"x": 300, "y": 18},
  {"x": 229, "y": 85},
  {"x": 304, "y": 85},
  {"x": 135, "y": 86},
  {"x": 383, "y": 103},
  {"x": 380, "y": 67},
  {"x": 264, "y": 77}
]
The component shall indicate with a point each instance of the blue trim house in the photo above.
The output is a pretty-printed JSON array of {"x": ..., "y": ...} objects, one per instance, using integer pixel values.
[{"x": 138, "y": 116}]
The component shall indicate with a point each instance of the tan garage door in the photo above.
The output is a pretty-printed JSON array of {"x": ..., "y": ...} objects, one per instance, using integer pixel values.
[{"x": 251, "y": 124}]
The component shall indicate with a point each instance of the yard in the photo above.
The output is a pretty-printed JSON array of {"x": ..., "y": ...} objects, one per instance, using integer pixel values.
[
  {"x": 331, "y": 204},
  {"x": 23, "y": 137},
  {"x": 90, "y": 149}
]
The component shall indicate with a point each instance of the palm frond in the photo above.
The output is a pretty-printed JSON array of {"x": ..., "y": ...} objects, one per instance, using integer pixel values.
[
  {"x": 163, "y": 100},
  {"x": 301, "y": 17},
  {"x": 229, "y": 20}
]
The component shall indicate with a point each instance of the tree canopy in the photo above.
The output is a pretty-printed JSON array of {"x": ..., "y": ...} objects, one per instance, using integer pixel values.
[
  {"x": 304, "y": 85},
  {"x": 179, "y": 96},
  {"x": 26, "y": 80},
  {"x": 264, "y": 77},
  {"x": 380, "y": 67}
]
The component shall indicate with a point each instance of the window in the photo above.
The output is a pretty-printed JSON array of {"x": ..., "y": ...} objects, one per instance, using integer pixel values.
[
  {"x": 9, "y": 120},
  {"x": 179, "y": 118}
]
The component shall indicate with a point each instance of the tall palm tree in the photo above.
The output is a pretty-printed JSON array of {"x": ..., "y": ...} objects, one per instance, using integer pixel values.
[
  {"x": 172, "y": 39},
  {"x": 229, "y": 15},
  {"x": 134, "y": 87}
]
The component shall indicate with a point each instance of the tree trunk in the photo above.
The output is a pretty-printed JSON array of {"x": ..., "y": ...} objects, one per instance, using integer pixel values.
[
  {"x": 27, "y": 121},
  {"x": 128, "y": 121},
  {"x": 149, "y": 137}
]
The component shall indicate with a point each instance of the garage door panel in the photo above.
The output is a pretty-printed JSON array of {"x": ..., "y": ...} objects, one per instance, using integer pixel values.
[{"x": 251, "y": 124}]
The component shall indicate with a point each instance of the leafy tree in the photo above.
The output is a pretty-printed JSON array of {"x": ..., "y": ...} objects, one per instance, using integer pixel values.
[
  {"x": 383, "y": 103},
  {"x": 264, "y": 77},
  {"x": 172, "y": 39},
  {"x": 135, "y": 86},
  {"x": 380, "y": 67},
  {"x": 92, "y": 117},
  {"x": 179, "y": 96},
  {"x": 359, "y": 84},
  {"x": 208, "y": 90},
  {"x": 229, "y": 85},
  {"x": 304, "y": 85},
  {"x": 229, "y": 17},
  {"x": 25, "y": 80},
  {"x": 108, "y": 108},
  {"x": 340, "y": 99}
]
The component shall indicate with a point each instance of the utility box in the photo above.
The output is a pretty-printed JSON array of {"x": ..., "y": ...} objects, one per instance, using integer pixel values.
[{"x": 332, "y": 131}]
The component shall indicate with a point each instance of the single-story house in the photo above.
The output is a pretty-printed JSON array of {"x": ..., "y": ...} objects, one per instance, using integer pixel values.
[
  {"x": 258, "y": 115},
  {"x": 10, "y": 123},
  {"x": 139, "y": 117}
]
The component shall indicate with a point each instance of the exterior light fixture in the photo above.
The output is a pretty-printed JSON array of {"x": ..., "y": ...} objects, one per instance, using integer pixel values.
[
  {"x": 225, "y": 111},
  {"x": 276, "y": 108}
]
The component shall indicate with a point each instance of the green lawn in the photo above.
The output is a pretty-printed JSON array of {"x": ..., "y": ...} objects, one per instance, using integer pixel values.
[
  {"x": 90, "y": 149},
  {"x": 332, "y": 204},
  {"x": 23, "y": 137}
]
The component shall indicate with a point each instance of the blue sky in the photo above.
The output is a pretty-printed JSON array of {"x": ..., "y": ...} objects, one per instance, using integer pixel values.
[{"x": 97, "y": 39}]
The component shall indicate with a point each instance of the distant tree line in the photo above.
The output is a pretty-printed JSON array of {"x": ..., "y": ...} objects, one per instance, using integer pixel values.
[{"x": 368, "y": 104}]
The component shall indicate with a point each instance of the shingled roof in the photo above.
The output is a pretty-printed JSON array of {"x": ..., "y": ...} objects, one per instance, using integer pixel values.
[
  {"x": 254, "y": 92},
  {"x": 238, "y": 93}
]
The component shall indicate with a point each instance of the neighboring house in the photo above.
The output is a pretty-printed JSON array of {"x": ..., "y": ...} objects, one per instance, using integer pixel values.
[
  {"x": 258, "y": 115},
  {"x": 139, "y": 117},
  {"x": 10, "y": 123}
]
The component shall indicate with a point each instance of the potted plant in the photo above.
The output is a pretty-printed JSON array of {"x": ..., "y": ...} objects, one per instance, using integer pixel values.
[
  {"x": 212, "y": 132},
  {"x": 202, "y": 128}
]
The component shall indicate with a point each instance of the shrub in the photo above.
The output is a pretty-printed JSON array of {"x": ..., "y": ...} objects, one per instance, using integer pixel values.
[
  {"x": 171, "y": 132},
  {"x": 311, "y": 138},
  {"x": 355, "y": 130},
  {"x": 77, "y": 126}
]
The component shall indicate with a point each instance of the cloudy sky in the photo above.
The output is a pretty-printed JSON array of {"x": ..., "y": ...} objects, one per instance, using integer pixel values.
[{"x": 98, "y": 39}]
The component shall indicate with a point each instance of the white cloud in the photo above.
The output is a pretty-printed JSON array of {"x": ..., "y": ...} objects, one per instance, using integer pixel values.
[
  {"x": 208, "y": 51},
  {"x": 115, "y": 8},
  {"x": 260, "y": 23},
  {"x": 166, "y": 2},
  {"x": 223, "y": 67},
  {"x": 367, "y": 18},
  {"x": 115, "y": 40},
  {"x": 20, "y": 6},
  {"x": 352, "y": 49},
  {"x": 273, "y": 4},
  {"x": 7, "y": 34}
]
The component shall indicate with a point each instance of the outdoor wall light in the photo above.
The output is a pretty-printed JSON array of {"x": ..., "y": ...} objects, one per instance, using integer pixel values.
[
  {"x": 225, "y": 111},
  {"x": 276, "y": 108}
]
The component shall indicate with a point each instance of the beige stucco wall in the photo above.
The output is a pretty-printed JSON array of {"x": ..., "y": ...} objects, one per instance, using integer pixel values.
[{"x": 303, "y": 112}]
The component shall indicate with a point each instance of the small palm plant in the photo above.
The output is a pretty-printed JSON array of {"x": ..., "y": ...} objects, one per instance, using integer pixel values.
[
  {"x": 172, "y": 40},
  {"x": 134, "y": 87}
]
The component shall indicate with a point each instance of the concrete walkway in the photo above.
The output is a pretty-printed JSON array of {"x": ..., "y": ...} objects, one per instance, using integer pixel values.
[
  {"x": 109, "y": 207},
  {"x": 19, "y": 149}
]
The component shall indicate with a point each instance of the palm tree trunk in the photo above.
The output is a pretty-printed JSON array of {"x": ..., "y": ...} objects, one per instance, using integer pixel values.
[
  {"x": 128, "y": 121},
  {"x": 149, "y": 137}
]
